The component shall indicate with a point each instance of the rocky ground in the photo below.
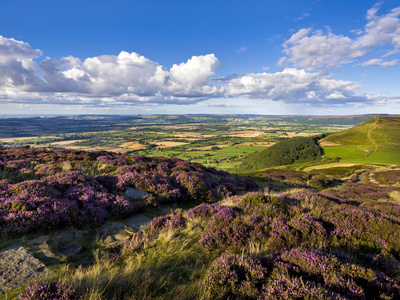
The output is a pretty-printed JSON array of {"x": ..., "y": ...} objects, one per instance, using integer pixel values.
[{"x": 28, "y": 261}]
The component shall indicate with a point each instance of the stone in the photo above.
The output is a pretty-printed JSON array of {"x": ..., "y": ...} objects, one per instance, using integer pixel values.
[
  {"x": 122, "y": 236},
  {"x": 64, "y": 236},
  {"x": 135, "y": 193},
  {"x": 117, "y": 225},
  {"x": 78, "y": 234},
  {"x": 43, "y": 252},
  {"x": 71, "y": 249},
  {"x": 137, "y": 221},
  {"x": 109, "y": 239},
  {"x": 39, "y": 240},
  {"x": 18, "y": 267}
]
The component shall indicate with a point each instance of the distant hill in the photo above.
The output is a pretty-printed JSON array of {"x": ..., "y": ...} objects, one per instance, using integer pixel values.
[
  {"x": 374, "y": 141},
  {"x": 285, "y": 152}
]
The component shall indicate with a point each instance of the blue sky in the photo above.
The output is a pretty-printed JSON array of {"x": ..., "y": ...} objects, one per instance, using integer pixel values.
[{"x": 325, "y": 57}]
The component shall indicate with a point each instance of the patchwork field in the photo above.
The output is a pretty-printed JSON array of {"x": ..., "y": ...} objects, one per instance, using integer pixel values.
[{"x": 215, "y": 141}]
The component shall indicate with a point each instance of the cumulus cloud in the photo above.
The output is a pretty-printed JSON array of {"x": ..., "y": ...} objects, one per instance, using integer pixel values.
[
  {"x": 16, "y": 63},
  {"x": 125, "y": 77},
  {"x": 315, "y": 49},
  {"x": 297, "y": 86},
  {"x": 132, "y": 79}
]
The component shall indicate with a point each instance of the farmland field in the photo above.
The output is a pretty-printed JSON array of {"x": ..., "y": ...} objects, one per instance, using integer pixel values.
[
  {"x": 219, "y": 141},
  {"x": 215, "y": 141}
]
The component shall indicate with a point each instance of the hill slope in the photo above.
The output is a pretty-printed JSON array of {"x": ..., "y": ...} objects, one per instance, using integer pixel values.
[
  {"x": 283, "y": 153},
  {"x": 374, "y": 141}
]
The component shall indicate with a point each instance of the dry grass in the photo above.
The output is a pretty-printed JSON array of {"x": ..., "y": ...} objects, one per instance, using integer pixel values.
[
  {"x": 64, "y": 143},
  {"x": 261, "y": 144},
  {"x": 297, "y": 134},
  {"x": 208, "y": 147},
  {"x": 244, "y": 134},
  {"x": 133, "y": 146},
  {"x": 395, "y": 196},
  {"x": 328, "y": 166},
  {"x": 167, "y": 144}
]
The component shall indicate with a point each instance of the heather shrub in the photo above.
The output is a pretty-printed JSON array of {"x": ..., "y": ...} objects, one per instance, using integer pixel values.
[
  {"x": 322, "y": 182},
  {"x": 234, "y": 276},
  {"x": 162, "y": 223},
  {"x": 49, "y": 290},
  {"x": 314, "y": 231}
]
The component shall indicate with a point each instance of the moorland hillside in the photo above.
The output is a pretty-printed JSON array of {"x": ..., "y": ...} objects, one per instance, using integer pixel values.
[{"x": 374, "y": 141}]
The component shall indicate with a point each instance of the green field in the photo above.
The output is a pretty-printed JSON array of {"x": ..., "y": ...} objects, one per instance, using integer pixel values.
[{"x": 347, "y": 152}]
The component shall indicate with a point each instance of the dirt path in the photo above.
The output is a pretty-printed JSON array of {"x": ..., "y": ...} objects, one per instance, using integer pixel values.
[{"x": 372, "y": 142}]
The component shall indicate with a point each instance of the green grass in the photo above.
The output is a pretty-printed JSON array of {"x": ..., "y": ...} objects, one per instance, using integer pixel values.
[
  {"x": 348, "y": 152},
  {"x": 385, "y": 155}
]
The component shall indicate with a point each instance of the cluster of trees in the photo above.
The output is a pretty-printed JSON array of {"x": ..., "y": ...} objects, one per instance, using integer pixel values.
[{"x": 283, "y": 153}]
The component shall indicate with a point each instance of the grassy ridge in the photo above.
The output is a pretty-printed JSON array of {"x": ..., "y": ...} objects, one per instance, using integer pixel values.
[{"x": 374, "y": 141}]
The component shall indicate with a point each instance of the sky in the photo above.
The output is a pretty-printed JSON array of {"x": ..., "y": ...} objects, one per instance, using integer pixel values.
[{"x": 287, "y": 57}]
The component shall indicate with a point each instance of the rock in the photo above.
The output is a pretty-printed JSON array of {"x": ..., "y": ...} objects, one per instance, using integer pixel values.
[
  {"x": 64, "y": 236},
  {"x": 135, "y": 194},
  {"x": 117, "y": 225},
  {"x": 109, "y": 239},
  {"x": 18, "y": 267},
  {"x": 43, "y": 252},
  {"x": 122, "y": 236},
  {"x": 71, "y": 249},
  {"x": 78, "y": 234},
  {"x": 137, "y": 221},
  {"x": 39, "y": 240}
]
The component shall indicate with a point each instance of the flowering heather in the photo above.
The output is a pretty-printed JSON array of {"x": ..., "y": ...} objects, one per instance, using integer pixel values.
[
  {"x": 296, "y": 288},
  {"x": 391, "y": 177},
  {"x": 282, "y": 176},
  {"x": 52, "y": 290},
  {"x": 235, "y": 276},
  {"x": 365, "y": 225},
  {"x": 314, "y": 231},
  {"x": 358, "y": 192},
  {"x": 161, "y": 223}
]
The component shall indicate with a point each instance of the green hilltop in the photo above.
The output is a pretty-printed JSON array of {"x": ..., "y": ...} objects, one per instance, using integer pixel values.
[{"x": 374, "y": 141}]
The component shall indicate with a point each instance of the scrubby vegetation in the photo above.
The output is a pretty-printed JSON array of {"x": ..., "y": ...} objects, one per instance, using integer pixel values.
[
  {"x": 283, "y": 153},
  {"x": 278, "y": 233},
  {"x": 43, "y": 190}
]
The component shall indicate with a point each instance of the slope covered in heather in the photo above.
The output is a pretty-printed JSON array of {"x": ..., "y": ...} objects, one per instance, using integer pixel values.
[
  {"x": 328, "y": 235},
  {"x": 42, "y": 190}
]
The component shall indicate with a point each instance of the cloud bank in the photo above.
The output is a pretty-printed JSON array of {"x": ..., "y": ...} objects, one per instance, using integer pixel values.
[
  {"x": 130, "y": 78},
  {"x": 317, "y": 49}
]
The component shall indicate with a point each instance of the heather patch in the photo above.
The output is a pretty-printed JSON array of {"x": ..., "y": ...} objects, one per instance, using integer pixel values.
[
  {"x": 64, "y": 191},
  {"x": 49, "y": 290}
]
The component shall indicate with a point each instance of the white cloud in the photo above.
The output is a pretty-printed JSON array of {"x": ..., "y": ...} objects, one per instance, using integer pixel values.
[
  {"x": 304, "y": 15},
  {"x": 317, "y": 49},
  {"x": 296, "y": 86},
  {"x": 379, "y": 62},
  {"x": 243, "y": 49},
  {"x": 127, "y": 77},
  {"x": 16, "y": 63},
  {"x": 132, "y": 79}
]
